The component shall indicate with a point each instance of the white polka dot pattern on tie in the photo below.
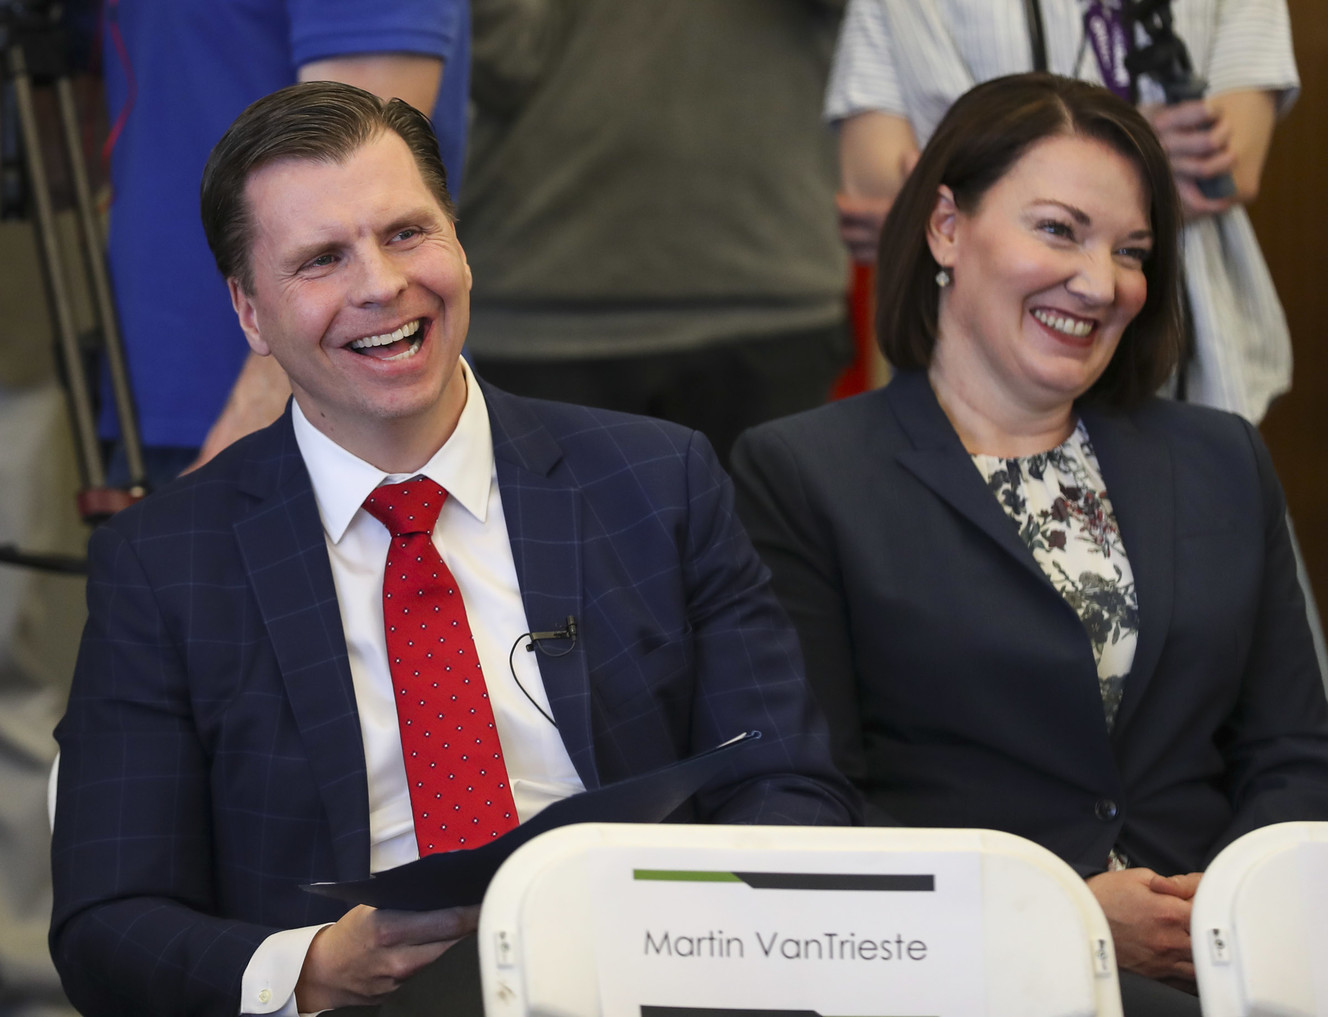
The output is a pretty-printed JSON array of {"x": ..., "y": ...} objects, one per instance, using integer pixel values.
[{"x": 417, "y": 578}]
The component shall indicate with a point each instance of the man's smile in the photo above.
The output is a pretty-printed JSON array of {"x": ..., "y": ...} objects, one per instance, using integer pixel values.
[{"x": 402, "y": 342}]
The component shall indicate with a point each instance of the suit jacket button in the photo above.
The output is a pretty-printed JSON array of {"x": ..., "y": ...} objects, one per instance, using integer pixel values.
[{"x": 1106, "y": 810}]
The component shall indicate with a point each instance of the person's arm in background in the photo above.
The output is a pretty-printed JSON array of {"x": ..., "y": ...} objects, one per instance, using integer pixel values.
[
  {"x": 409, "y": 76},
  {"x": 877, "y": 151},
  {"x": 866, "y": 103},
  {"x": 1227, "y": 133},
  {"x": 261, "y": 390}
]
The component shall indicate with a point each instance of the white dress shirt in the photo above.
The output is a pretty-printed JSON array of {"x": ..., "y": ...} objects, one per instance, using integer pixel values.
[{"x": 471, "y": 537}]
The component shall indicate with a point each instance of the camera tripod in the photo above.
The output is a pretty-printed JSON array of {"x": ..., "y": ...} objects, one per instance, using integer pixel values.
[{"x": 33, "y": 54}]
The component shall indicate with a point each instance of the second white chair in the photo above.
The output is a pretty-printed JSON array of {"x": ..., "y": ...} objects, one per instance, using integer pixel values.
[{"x": 1260, "y": 925}]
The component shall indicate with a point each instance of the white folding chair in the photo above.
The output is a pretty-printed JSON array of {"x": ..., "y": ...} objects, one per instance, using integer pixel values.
[
  {"x": 51, "y": 783},
  {"x": 1260, "y": 925},
  {"x": 673, "y": 920}
]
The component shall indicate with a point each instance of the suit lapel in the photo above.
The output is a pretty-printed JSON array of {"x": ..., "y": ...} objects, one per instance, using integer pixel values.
[
  {"x": 543, "y": 513},
  {"x": 938, "y": 459},
  {"x": 285, "y": 553},
  {"x": 1138, "y": 473}
]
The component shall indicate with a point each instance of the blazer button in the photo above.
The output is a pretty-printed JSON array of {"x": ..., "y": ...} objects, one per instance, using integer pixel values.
[{"x": 1106, "y": 810}]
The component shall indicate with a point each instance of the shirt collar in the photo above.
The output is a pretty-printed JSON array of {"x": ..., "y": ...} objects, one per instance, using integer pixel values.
[{"x": 341, "y": 481}]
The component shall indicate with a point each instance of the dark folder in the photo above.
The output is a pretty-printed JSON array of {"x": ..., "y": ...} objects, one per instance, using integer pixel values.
[{"x": 453, "y": 878}]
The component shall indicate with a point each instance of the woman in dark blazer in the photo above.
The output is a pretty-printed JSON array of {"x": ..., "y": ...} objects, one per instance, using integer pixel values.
[{"x": 1033, "y": 597}]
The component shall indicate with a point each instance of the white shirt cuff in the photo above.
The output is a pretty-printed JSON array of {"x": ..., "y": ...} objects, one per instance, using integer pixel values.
[{"x": 269, "y": 980}]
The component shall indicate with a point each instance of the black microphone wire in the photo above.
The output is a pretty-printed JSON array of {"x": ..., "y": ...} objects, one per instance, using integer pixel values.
[{"x": 567, "y": 633}]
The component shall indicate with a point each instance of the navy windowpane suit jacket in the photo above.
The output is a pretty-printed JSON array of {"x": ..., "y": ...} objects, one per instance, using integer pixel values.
[{"x": 212, "y": 759}]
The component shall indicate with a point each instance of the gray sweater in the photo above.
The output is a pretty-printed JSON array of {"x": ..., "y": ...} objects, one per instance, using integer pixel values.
[{"x": 649, "y": 172}]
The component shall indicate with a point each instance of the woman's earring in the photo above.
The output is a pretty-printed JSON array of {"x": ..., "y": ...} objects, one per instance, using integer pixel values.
[{"x": 944, "y": 278}]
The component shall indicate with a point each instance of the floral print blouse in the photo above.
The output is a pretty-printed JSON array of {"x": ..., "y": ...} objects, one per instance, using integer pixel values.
[{"x": 1059, "y": 502}]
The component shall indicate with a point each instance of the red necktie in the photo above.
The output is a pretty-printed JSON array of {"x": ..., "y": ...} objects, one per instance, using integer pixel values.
[{"x": 454, "y": 763}]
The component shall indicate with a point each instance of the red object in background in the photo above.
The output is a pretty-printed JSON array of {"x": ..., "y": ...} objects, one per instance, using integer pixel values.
[{"x": 857, "y": 377}]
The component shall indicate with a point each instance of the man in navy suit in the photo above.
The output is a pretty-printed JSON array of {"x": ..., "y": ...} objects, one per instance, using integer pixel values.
[{"x": 232, "y": 732}]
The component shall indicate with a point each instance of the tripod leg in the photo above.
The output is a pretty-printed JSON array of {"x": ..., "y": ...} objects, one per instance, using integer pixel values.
[
  {"x": 95, "y": 262},
  {"x": 62, "y": 316}
]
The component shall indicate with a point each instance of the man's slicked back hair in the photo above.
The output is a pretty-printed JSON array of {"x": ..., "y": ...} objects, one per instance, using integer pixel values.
[{"x": 320, "y": 121}]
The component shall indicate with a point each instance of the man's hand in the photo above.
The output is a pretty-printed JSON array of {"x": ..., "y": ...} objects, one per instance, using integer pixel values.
[
  {"x": 1149, "y": 917},
  {"x": 370, "y": 952}
]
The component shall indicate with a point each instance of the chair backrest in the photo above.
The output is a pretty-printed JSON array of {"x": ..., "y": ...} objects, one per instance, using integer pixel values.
[
  {"x": 1260, "y": 924},
  {"x": 51, "y": 783},
  {"x": 672, "y": 920}
]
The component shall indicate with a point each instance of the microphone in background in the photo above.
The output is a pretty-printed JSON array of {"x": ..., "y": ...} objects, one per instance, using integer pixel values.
[{"x": 1166, "y": 60}]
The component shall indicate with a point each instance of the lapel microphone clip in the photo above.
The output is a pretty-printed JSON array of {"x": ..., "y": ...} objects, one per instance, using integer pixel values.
[{"x": 568, "y": 631}]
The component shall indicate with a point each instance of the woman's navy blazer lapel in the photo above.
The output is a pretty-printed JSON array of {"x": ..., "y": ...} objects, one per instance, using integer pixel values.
[
  {"x": 938, "y": 459},
  {"x": 1140, "y": 481}
]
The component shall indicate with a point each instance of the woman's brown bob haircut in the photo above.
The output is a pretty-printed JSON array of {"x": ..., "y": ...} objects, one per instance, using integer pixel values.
[
  {"x": 984, "y": 134},
  {"x": 322, "y": 121}
]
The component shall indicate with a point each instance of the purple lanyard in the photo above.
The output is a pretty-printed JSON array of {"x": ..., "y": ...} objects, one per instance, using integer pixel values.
[{"x": 1105, "y": 29}]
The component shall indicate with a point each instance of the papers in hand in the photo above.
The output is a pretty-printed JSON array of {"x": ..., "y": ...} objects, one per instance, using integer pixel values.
[{"x": 454, "y": 878}]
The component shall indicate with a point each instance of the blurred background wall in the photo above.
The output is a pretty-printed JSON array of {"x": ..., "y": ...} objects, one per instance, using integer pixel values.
[{"x": 1291, "y": 218}]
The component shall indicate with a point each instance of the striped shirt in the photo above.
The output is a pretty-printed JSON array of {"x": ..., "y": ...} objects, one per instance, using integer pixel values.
[{"x": 913, "y": 58}]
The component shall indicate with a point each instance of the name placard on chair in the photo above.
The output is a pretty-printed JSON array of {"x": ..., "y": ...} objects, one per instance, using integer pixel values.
[
  {"x": 674, "y": 920},
  {"x": 811, "y": 934}
]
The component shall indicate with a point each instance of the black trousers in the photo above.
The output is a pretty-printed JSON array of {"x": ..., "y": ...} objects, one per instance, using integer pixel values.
[
  {"x": 1144, "y": 997},
  {"x": 719, "y": 390}
]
